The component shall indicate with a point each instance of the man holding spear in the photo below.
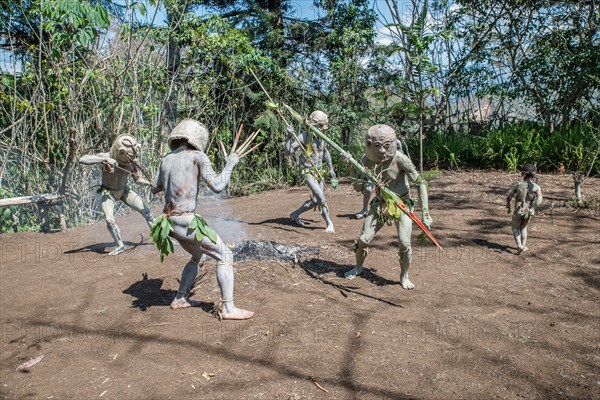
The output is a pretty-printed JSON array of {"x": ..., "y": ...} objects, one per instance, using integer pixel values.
[
  {"x": 178, "y": 176},
  {"x": 314, "y": 150},
  {"x": 394, "y": 170}
]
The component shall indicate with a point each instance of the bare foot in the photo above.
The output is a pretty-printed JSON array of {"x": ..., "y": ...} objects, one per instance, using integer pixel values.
[
  {"x": 353, "y": 273},
  {"x": 330, "y": 229},
  {"x": 296, "y": 219},
  {"x": 181, "y": 302},
  {"x": 406, "y": 284},
  {"x": 236, "y": 314},
  {"x": 361, "y": 214},
  {"x": 116, "y": 251}
]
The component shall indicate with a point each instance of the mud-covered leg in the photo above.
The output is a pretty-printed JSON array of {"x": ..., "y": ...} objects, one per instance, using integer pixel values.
[
  {"x": 188, "y": 275},
  {"x": 134, "y": 201},
  {"x": 524, "y": 233},
  {"x": 108, "y": 207},
  {"x": 404, "y": 227},
  {"x": 319, "y": 195},
  {"x": 220, "y": 252},
  {"x": 308, "y": 205},
  {"x": 361, "y": 248},
  {"x": 516, "y": 228}
]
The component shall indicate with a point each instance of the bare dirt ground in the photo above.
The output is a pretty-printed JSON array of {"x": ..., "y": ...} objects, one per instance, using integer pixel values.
[{"x": 481, "y": 323}]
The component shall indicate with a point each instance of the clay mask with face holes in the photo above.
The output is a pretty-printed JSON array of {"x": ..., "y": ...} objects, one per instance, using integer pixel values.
[
  {"x": 380, "y": 143},
  {"x": 124, "y": 149}
]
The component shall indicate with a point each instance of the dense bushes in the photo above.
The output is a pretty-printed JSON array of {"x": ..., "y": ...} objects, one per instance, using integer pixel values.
[{"x": 512, "y": 145}]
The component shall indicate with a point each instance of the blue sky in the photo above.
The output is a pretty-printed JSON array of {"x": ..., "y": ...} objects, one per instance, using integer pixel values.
[
  {"x": 301, "y": 9},
  {"x": 305, "y": 9}
]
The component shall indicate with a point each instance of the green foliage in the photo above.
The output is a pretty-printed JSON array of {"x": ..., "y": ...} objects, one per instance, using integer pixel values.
[
  {"x": 512, "y": 145},
  {"x": 160, "y": 235},
  {"x": 68, "y": 21},
  {"x": 201, "y": 229}
]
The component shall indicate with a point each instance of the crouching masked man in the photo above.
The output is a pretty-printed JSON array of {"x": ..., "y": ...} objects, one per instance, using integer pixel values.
[{"x": 117, "y": 165}]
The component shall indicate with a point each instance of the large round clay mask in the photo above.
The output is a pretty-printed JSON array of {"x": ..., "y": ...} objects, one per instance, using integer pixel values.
[{"x": 380, "y": 143}]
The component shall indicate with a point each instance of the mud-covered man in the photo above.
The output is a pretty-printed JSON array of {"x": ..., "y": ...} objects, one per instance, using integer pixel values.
[
  {"x": 117, "y": 166},
  {"x": 528, "y": 197},
  {"x": 179, "y": 175},
  {"x": 394, "y": 170},
  {"x": 314, "y": 150}
]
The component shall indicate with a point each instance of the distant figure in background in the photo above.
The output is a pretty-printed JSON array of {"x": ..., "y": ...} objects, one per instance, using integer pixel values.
[
  {"x": 312, "y": 163},
  {"x": 117, "y": 166},
  {"x": 528, "y": 197},
  {"x": 179, "y": 176},
  {"x": 368, "y": 188}
]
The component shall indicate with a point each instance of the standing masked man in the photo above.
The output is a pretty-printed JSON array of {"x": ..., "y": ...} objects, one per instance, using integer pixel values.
[
  {"x": 179, "y": 176},
  {"x": 394, "y": 170}
]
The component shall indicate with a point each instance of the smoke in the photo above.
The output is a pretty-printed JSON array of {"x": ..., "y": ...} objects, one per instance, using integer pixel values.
[{"x": 221, "y": 217}]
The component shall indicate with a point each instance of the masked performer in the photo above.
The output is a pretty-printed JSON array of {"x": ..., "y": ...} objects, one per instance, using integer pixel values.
[
  {"x": 179, "y": 175},
  {"x": 394, "y": 170},
  {"x": 528, "y": 197},
  {"x": 313, "y": 153},
  {"x": 117, "y": 166}
]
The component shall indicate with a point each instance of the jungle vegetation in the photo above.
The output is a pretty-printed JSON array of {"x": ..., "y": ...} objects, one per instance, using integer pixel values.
[{"x": 466, "y": 83}]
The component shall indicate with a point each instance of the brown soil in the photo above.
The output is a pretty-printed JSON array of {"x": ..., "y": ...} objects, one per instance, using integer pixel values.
[{"x": 482, "y": 322}]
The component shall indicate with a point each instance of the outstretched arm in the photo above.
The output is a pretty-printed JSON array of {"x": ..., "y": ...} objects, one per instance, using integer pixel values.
[
  {"x": 90, "y": 159},
  {"x": 217, "y": 183}
]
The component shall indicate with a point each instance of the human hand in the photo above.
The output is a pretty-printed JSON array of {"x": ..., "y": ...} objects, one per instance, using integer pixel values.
[
  {"x": 345, "y": 156},
  {"x": 532, "y": 212},
  {"x": 290, "y": 130},
  {"x": 241, "y": 151},
  {"x": 233, "y": 158}
]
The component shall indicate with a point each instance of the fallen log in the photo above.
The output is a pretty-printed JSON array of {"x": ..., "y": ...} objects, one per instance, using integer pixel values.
[{"x": 53, "y": 201}]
